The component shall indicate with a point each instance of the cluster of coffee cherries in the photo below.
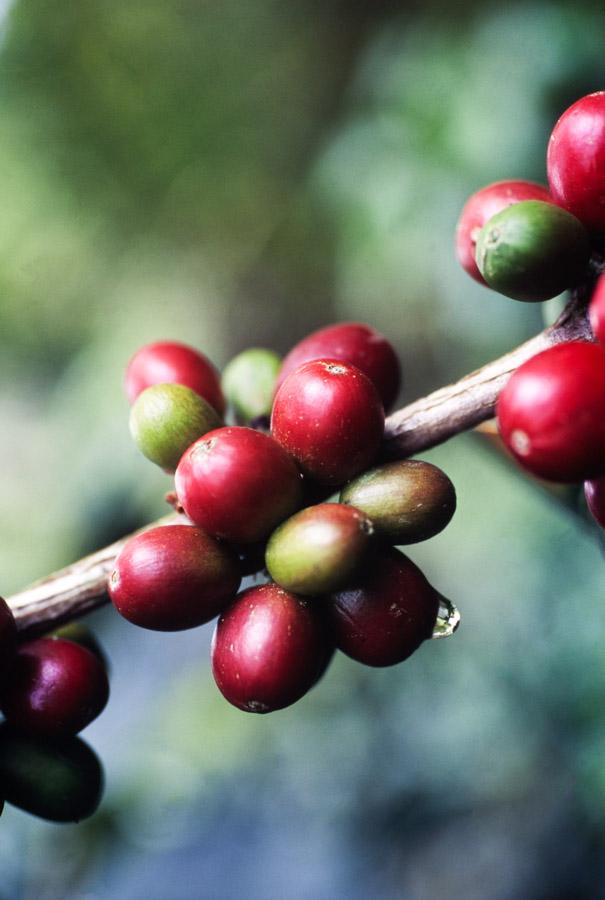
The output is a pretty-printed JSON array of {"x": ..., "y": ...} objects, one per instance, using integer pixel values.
[
  {"x": 531, "y": 243},
  {"x": 255, "y": 495},
  {"x": 50, "y": 689}
]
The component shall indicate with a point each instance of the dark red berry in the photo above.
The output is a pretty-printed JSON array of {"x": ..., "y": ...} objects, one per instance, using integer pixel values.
[
  {"x": 173, "y": 577},
  {"x": 551, "y": 413},
  {"x": 329, "y": 417},
  {"x": 576, "y": 160},
  {"x": 238, "y": 484},
  {"x": 56, "y": 688},
  {"x": 268, "y": 649},
  {"x": 355, "y": 343},
  {"x": 596, "y": 310},
  {"x": 484, "y": 204},
  {"x": 594, "y": 491},
  {"x": 169, "y": 362},
  {"x": 388, "y": 615}
]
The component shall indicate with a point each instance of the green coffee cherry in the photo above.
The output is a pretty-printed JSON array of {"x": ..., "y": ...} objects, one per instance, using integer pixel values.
[
  {"x": 319, "y": 549},
  {"x": 166, "y": 419},
  {"x": 61, "y": 782},
  {"x": 408, "y": 500},
  {"x": 248, "y": 383},
  {"x": 532, "y": 251}
]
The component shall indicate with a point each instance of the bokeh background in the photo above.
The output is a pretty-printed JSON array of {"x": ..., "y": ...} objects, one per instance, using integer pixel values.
[{"x": 240, "y": 173}]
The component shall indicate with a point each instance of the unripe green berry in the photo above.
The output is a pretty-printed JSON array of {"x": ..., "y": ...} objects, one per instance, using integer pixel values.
[
  {"x": 408, "y": 500},
  {"x": 248, "y": 383},
  {"x": 319, "y": 549},
  {"x": 61, "y": 781},
  {"x": 166, "y": 419},
  {"x": 532, "y": 251}
]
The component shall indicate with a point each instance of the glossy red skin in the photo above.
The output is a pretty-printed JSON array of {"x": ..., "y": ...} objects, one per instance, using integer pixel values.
[
  {"x": 354, "y": 343},
  {"x": 551, "y": 413},
  {"x": 56, "y": 688},
  {"x": 169, "y": 362},
  {"x": 576, "y": 161},
  {"x": 237, "y": 484},
  {"x": 173, "y": 577},
  {"x": 480, "y": 207},
  {"x": 594, "y": 491},
  {"x": 596, "y": 310},
  {"x": 269, "y": 648},
  {"x": 329, "y": 417},
  {"x": 385, "y": 618}
]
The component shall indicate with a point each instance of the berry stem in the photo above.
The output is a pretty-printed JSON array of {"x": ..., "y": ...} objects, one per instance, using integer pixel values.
[
  {"x": 461, "y": 406},
  {"x": 81, "y": 587}
]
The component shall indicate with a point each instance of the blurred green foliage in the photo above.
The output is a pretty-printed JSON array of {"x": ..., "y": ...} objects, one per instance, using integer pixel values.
[{"x": 238, "y": 174}]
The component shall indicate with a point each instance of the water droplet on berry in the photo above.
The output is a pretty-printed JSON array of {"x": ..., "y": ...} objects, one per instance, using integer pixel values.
[{"x": 448, "y": 619}]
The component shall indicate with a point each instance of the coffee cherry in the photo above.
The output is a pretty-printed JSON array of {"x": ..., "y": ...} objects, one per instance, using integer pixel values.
[
  {"x": 56, "y": 688},
  {"x": 594, "y": 491},
  {"x": 596, "y": 310},
  {"x": 166, "y": 419},
  {"x": 383, "y": 619},
  {"x": 319, "y": 549},
  {"x": 329, "y": 417},
  {"x": 60, "y": 781},
  {"x": 238, "y": 484},
  {"x": 576, "y": 160},
  {"x": 249, "y": 383},
  {"x": 171, "y": 362},
  {"x": 551, "y": 413},
  {"x": 481, "y": 207},
  {"x": 354, "y": 343},
  {"x": 408, "y": 500},
  {"x": 532, "y": 251},
  {"x": 269, "y": 648},
  {"x": 173, "y": 577}
]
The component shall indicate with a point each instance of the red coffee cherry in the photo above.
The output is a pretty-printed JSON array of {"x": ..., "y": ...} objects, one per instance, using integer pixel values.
[
  {"x": 551, "y": 414},
  {"x": 386, "y": 617},
  {"x": 173, "y": 577},
  {"x": 480, "y": 207},
  {"x": 238, "y": 484},
  {"x": 354, "y": 343},
  {"x": 169, "y": 362},
  {"x": 269, "y": 648},
  {"x": 594, "y": 491},
  {"x": 329, "y": 417},
  {"x": 596, "y": 310},
  {"x": 56, "y": 688},
  {"x": 576, "y": 160}
]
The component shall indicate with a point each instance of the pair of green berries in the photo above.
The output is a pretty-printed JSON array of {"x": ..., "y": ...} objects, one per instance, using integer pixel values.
[
  {"x": 166, "y": 419},
  {"x": 533, "y": 251},
  {"x": 323, "y": 548}
]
